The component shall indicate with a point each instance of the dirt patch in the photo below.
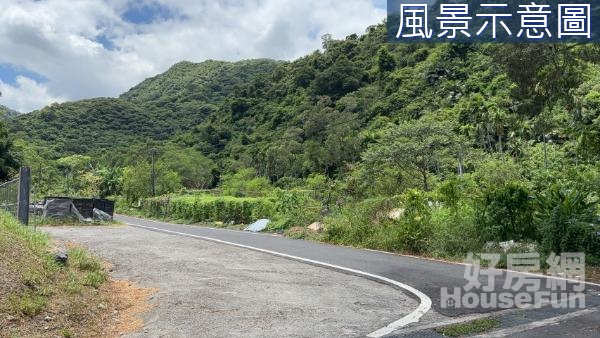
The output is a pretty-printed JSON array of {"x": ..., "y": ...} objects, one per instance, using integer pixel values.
[
  {"x": 592, "y": 274},
  {"x": 128, "y": 303}
]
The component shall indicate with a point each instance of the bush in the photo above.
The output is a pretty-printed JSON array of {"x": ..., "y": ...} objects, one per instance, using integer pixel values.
[
  {"x": 245, "y": 183},
  {"x": 203, "y": 208},
  {"x": 416, "y": 221},
  {"x": 367, "y": 224},
  {"x": 358, "y": 223},
  {"x": 294, "y": 208},
  {"x": 506, "y": 213},
  {"x": 568, "y": 223},
  {"x": 454, "y": 232}
]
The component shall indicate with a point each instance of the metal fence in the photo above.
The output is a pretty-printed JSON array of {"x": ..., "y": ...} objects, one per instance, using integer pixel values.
[
  {"x": 14, "y": 196},
  {"x": 9, "y": 197}
]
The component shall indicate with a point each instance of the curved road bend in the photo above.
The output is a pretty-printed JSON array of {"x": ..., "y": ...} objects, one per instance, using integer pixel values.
[{"x": 426, "y": 276}]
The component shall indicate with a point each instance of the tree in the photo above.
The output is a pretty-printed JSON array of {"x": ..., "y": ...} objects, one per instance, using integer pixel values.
[
  {"x": 338, "y": 80},
  {"x": 386, "y": 62},
  {"x": 245, "y": 183},
  {"x": 78, "y": 176},
  {"x": 111, "y": 181},
  {"x": 424, "y": 146},
  {"x": 7, "y": 162},
  {"x": 137, "y": 182},
  {"x": 196, "y": 170}
]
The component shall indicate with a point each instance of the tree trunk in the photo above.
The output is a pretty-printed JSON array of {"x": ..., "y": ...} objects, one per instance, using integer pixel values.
[
  {"x": 425, "y": 180},
  {"x": 545, "y": 152}
]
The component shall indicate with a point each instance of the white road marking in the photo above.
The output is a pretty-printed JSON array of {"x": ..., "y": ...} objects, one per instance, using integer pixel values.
[
  {"x": 532, "y": 274},
  {"x": 413, "y": 317},
  {"x": 470, "y": 318},
  {"x": 385, "y": 252},
  {"x": 534, "y": 325}
]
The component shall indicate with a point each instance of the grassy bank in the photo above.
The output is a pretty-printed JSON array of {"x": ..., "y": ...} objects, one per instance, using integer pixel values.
[{"x": 39, "y": 296}]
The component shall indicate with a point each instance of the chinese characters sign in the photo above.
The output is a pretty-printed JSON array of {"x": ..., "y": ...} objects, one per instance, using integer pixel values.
[{"x": 519, "y": 21}]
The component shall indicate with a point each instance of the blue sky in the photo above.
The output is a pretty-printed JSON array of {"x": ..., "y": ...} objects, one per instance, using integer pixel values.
[
  {"x": 59, "y": 50},
  {"x": 382, "y": 4},
  {"x": 147, "y": 13},
  {"x": 9, "y": 74}
]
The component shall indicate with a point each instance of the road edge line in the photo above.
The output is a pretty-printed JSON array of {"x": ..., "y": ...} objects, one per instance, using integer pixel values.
[
  {"x": 427, "y": 259},
  {"x": 413, "y": 317}
]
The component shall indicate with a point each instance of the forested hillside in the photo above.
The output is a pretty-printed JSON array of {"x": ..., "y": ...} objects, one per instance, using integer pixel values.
[
  {"x": 158, "y": 108},
  {"x": 503, "y": 139},
  {"x": 6, "y": 113}
]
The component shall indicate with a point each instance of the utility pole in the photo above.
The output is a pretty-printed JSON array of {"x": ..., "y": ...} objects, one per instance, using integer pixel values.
[
  {"x": 23, "y": 195},
  {"x": 153, "y": 154}
]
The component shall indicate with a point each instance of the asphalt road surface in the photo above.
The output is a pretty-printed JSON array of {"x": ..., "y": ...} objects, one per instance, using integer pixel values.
[
  {"x": 210, "y": 290},
  {"x": 420, "y": 278}
]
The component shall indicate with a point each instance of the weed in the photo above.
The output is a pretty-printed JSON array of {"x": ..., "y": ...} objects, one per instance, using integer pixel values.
[
  {"x": 66, "y": 333},
  {"x": 473, "y": 327},
  {"x": 73, "y": 284},
  {"x": 80, "y": 259},
  {"x": 94, "y": 279},
  {"x": 28, "y": 303}
]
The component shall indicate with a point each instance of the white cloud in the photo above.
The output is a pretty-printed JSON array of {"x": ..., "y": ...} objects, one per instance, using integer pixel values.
[
  {"x": 26, "y": 95},
  {"x": 58, "y": 38}
]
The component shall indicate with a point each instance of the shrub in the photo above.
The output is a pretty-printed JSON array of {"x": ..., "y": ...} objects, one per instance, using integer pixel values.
[
  {"x": 506, "y": 213},
  {"x": 245, "y": 183},
  {"x": 367, "y": 224},
  {"x": 294, "y": 208},
  {"x": 567, "y": 222},
  {"x": 416, "y": 221},
  {"x": 203, "y": 208},
  {"x": 357, "y": 223},
  {"x": 454, "y": 231}
]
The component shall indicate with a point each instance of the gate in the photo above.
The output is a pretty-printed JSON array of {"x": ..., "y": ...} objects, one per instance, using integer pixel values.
[{"x": 14, "y": 196}]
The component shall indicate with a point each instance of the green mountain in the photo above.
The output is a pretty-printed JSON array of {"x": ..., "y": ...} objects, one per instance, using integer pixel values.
[
  {"x": 7, "y": 113},
  {"x": 187, "y": 82},
  {"x": 327, "y": 112},
  {"x": 157, "y": 109}
]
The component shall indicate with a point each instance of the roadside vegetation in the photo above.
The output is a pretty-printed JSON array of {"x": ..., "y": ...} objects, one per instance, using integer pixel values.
[
  {"x": 41, "y": 296},
  {"x": 426, "y": 149},
  {"x": 470, "y": 328}
]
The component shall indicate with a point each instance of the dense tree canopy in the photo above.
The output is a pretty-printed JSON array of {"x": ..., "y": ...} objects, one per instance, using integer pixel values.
[{"x": 8, "y": 164}]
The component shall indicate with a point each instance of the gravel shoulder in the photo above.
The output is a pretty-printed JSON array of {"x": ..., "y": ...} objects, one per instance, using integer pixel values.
[{"x": 215, "y": 290}]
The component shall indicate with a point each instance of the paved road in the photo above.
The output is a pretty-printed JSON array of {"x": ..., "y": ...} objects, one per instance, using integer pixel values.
[
  {"x": 426, "y": 276},
  {"x": 223, "y": 291}
]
